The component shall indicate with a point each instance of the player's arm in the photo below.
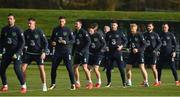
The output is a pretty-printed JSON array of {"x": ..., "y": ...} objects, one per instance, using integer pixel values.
[
  {"x": 53, "y": 38},
  {"x": 71, "y": 38},
  {"x": 142, "y": 44},
  {"x": 87, "y": 41},
  {"x": 103, "y": 42},
  {"x": 45, "y": 43},
  {"x": 174, "y": 43},
  {"x": 2, "y": 42},
  {"x": 124, "y": 38},
  {"x": 159, "y": 43},
  {"x": 21, "y": 42}
]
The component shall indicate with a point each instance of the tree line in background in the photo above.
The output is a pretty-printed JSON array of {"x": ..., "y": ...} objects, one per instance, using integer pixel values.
[{"x": 108, "y": 5}]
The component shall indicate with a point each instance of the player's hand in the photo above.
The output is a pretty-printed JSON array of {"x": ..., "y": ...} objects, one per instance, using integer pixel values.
[
  {"x": 15, "y": 56},
  {"x": 119, "y": 47},
  {"x": 174, "y": 54},
  {"x": 53, "y": 43},
  {"x": 43, "y": 56},
  {"x": 135, "y": 50},
  {"x": 0, "y": 56},
  {"x": 63, "y": 42},
  {"x": 107, "y": 49}
]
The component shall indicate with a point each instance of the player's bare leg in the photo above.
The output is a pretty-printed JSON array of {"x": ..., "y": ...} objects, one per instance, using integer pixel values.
[
  {"x": 76, "y": 74},
  {"x": 98, "y": 75},
  {"x": 145, "y": 75},
  {"x": 43, "y": 77},
  {"x": 129, "y": 74}
]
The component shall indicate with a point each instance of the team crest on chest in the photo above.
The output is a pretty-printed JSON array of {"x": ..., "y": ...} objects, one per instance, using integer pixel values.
[
  {"x": 136, "y": 39},
  {"x": 65, "y": 33},
  {"x": 80, "y": 35},
  {"x": 95, "y": 39},
  {"x": 117, "y": 36},
  {"x": 13, "y": 34},
  {"x": 36, "y": 36},
  {"x": 152, "y": 37},
  {"x": 167, "y": 37}
]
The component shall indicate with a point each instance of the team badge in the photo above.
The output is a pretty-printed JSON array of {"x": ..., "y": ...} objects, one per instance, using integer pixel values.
[
  {"x": 168, "y": 38},
  {"x": 13, "y": 34},
  {"x": 136, "y": 39},
  {"x": 117, "y": 36},
  {"x": 95, "y": 39},
  {"x": 36, "y": 36},
  {"x": 152, "y": 37},
  {"x": 65, "y": 33},
  {"x": 80, "y": 35}
]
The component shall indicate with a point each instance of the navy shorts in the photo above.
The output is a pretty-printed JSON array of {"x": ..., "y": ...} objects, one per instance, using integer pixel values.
[
  {"x": 28, "y": 58},
  {"x": 95, "y": 59},
  {"x": 81, "y": 58},
  {"x": 150, "y": 59},
  {"x": 137, "y": 58}
]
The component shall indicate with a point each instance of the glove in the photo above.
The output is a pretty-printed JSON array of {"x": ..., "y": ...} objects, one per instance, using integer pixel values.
[
  {"x": 0, "y": 56},
  {"x": 16, "y": 56}
]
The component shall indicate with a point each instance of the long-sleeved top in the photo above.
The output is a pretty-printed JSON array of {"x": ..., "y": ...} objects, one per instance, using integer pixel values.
[
  {"x": 98, "y": 43},
  {"x": 12, "y": 39},
  {"x": 35, "y": 41},
  {"x": 169, "y": 43},
  {"x": 62, "y": 33},
  {"x": 115, "y": 39},
  {"x": 82, "y": 41},
  {"x": 136, "y": 41},
  {"x": 153, "y": 42}
]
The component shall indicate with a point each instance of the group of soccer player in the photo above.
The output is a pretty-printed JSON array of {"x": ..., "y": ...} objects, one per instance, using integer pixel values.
[{"x": 89, "y": 49}]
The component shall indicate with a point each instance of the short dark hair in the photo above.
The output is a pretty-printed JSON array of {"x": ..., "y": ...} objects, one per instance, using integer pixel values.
[
  {"x": 79, "y": 21},
  {"x": 114, "y": 21},
  {"x": 165, "y": 24},
  {"x": 91, "y": 26},
  {"x": 61, "y": 17},
  {"x": 31, "y": 19},
  {"x": 10, "y": 14},
  {"x": 150, "y": 23}
]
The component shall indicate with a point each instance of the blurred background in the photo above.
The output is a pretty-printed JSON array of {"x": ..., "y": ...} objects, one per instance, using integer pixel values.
[{"x": 106, "y": 5}]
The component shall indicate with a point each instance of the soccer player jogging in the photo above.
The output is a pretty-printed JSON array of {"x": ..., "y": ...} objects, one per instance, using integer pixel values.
[
  {"x": 62, "y": 39},
  {"x": 81, "y": 49},
  {"x": 136, "y": 44},
  {"x": 153, "y": 44},
  {"x": 115, "y": 40},
  {"x": 96, "y": 50},
  {"x": 12, "y": 44},
  {"x": 105, "y": 60},
  {"x": 36, "y": 48},
  {"x": 167, "y": 53}
]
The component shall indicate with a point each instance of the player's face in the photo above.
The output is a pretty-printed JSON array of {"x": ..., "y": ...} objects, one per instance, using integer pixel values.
[
  {"x": 77, "y": 25},
  {"x": 165, "y": 28},
  {"x": 91, "y": 31},
  {"x": 150, "y": 27},
  {"x": 31, "y": 24},
  {"x": 134, "y": 29},
  {"x": 62, "y": 22},
  {"x": 106, "y": 29},
  {"x": 114, "y": 26},
  {"x": 11, "y": 20}
]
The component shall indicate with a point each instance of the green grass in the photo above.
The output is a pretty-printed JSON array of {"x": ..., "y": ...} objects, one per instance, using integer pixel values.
[
  {"x": 168, "y": 87},
  {"x": 47, "y": 19}
]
